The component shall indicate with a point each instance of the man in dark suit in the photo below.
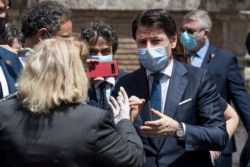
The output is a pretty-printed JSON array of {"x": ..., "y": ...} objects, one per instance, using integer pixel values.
[
  {"x": 182, "y": 121},
  {"x": 224, "y": 69},
  {"x": 10, "y": 65},
  {"x": 103, "y": 43},
  {"x": 245, "y": 153}
]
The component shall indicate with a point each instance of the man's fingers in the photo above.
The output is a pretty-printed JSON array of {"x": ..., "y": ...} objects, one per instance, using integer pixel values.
[{"x": 157, "y": 113}]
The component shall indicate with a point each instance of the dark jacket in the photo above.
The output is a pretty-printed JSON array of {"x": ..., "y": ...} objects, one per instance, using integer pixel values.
[
  {"x": 93, "y": 100},
  {"x": 226, "y": 74},
  {"x": 202, "y": 115},
  {"x": 70, "y": 136},
  {"x": 11, "y": 67}
]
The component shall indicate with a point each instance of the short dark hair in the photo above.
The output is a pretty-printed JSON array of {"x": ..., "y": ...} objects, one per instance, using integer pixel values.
[
  {"x": 160, "y": 18},
  {"x": 46, "y": 14},
  {"x": 93, "y": 30},
  {"x": 9, "y": 3},
  {"x": 10, "y": 33}
]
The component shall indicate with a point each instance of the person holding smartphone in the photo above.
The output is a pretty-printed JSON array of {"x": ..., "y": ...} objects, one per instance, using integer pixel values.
[{"x": 102, "y": 41}]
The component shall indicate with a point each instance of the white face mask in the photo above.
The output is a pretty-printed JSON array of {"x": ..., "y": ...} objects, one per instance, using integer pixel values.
[
  {"x": 153, "y": 59},
  {"x": 101, "y": 58}
]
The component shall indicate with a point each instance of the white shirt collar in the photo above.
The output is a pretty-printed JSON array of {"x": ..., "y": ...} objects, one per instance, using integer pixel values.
[{"x": 110, "y": 80}]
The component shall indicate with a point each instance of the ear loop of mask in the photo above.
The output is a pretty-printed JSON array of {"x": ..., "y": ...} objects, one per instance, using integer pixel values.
[
  {"x": 50, "y": 36},
  {"x": 199, "y": 33},
  {"x": 168, "y": 55}
]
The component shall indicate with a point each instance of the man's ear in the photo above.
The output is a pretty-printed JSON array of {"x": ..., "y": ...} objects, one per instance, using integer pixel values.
[
  {"x": 42, "y": 34},
  {"x": 173, "y": 41},
  {"x": 206, "y": 32}
]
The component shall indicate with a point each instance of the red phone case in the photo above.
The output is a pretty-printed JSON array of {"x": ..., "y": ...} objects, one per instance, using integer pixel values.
[{"x": 103, "y": 69}]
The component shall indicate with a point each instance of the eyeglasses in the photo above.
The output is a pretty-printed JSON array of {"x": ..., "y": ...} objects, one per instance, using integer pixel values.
[{"x": 188, "y": 30}]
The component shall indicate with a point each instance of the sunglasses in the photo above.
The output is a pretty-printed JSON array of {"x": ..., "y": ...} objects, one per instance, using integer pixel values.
[{"x": 188, "y": 30}]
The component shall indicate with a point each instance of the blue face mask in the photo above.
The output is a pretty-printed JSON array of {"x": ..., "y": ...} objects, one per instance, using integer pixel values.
[
  {"x": 188, "y": 40},
  {"x": 153, "y": 59},
  {"x": 101, "y": 58}
]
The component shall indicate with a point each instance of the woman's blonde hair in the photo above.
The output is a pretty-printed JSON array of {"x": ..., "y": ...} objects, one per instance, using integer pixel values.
[{"x": 54, "y": 74}]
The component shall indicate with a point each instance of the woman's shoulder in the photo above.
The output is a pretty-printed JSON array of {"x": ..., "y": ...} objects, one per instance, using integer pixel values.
[{"x": 88, "y": 110}]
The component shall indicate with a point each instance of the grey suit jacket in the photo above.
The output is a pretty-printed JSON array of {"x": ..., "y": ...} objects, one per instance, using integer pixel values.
[
  {"x": 193, "y": 99},
  {"x": 70, "y": 136}
]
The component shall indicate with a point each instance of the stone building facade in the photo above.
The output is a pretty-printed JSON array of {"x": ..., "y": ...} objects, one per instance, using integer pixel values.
[{"x": 231, "y": 23}]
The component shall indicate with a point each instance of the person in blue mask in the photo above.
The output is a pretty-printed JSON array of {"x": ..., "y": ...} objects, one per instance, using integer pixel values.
[
  {"x": 102, "y": 41},
  {"x": 181, "y": 119},
  {"x": 223, "y": 67}
]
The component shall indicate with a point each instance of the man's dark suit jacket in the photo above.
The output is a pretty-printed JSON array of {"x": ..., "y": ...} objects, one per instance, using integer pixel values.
[
  {"x": 225, "y": 71},
  {"x": 70, "y": 136},
  {"x": 245, "y": 154},
  {"x": 247, "y": 43},
  {"x": 93, "y": 100},
  {"x": 202, "y": 115},
  {"x": 11, "y": 67}
]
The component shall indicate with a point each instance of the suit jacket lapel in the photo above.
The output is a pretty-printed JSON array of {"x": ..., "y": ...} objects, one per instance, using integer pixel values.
[
  {"x": 209, "y": 56},
  {"x": 92, "y": 96},
  {"x": 142, "y": 91},
  {"x": 176, "y": 89}
]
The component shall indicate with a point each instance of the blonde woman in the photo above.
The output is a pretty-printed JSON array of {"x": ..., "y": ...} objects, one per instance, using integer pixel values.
[{"x": 50, "y": 125}]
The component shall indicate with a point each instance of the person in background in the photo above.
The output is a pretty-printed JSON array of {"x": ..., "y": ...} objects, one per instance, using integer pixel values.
[
  {"x": 247, "y": 43},
  {"x": 46, "y": 19},
  {"x": 102, "y": 42},
  {"x": 182, "y": 119},
  {"x": 12, "y": 36},
  {"x": 223, "y": 67},
  {"x": 51, "y": 125},
  {"x": 232, "y": 120},
  {"x": 245, "y": 153},
  {"x": 10, "y": 65},
  {"x": 4, "y": 6}
]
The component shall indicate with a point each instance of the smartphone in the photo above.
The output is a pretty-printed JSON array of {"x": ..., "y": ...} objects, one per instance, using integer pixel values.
[
  {"x": 103, "y": 69},
  {"x": 22, "y": 52}
]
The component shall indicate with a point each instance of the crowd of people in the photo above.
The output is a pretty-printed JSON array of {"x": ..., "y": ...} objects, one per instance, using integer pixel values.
[{"x": 173, "y": 111}]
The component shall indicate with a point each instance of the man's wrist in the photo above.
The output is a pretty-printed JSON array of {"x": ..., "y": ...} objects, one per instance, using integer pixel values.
[{"x": 180, "y": 132}]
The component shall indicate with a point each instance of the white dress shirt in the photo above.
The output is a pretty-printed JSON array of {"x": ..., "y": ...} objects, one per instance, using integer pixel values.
[
  {"x": 4, "y": 84},
  {"x": 167, "y": 71},
  {"x": 111, "y": 81}
]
